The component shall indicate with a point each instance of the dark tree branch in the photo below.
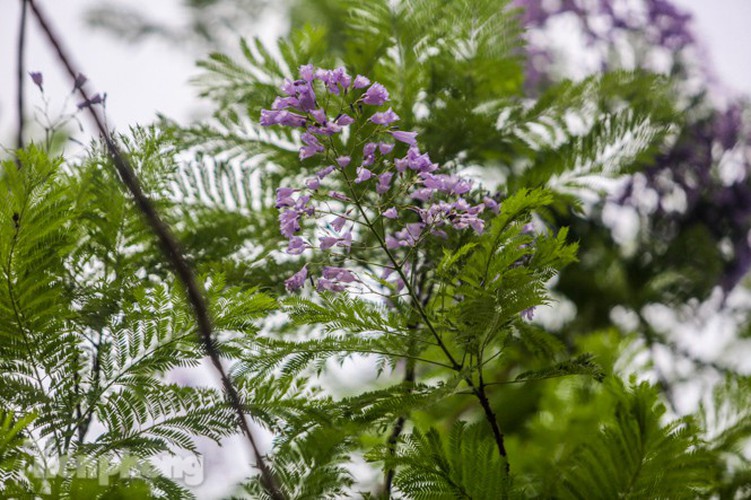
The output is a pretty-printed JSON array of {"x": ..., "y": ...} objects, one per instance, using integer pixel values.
[
  {"x": 20, "y": 75},
  {"x": 409, "y": 377},
  {"x": 174, "y": 254}
]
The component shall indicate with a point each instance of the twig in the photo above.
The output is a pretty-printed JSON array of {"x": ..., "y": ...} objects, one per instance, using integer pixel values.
[
  {"x": 20, "y": 75},
  {"x": 175, "y": 256},
  {"x": 409, "y": 377}
]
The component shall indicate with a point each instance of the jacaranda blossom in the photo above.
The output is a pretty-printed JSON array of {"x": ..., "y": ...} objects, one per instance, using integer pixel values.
[{"x": 394, "y": 182}]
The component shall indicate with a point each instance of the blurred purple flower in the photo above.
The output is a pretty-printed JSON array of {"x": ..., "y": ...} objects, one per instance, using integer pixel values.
[
  {"x": 296, "y": 281},
  {"x": 385, "y": 117},
  {"x": 375, "y": 95}
]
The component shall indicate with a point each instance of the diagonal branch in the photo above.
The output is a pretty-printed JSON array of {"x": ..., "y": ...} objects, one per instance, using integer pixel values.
[
  {"x": 173, "y": 253},
  {"x": 20, "y": 75}
]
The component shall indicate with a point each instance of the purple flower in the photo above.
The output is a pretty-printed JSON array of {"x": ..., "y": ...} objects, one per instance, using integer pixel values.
[
  {"x": 339, "y": 77},
  {"x": 344, "y": 241},
  {"x": 330, "y": 128},
  {"x": 288, "y": 87},
  {"x": 79, "y": 81},
  {"x": 338, "y": 223},
  {"x": 419, "y": 162},
  {"x": 307, "y": 96},
  {"x": 369, "y": 148},
  {"x": 338, "y": 196},
  {"x": 284, "y": 197},
  {"x": 334, "y": 78},
  {"x": 528, "y": 313},
  {"x": 449, "y": 184},
  {"x": 281, "y": 103},
  {"x": 464, "y": 221},
  {"x": 307, "y": 72},
  {"x": 312, "y": 146},
  {"x": 384, "y": 182},
  {"x": 296, "y": 246},
  {"x": 385, "y": 148},
  {"x": 390, "y": 213},
  {"x": 385, "y": 117},
  {"x": 344, "y": 120},
  {"x": 423, "y": 194},
  {"x": 37, "y": 78},
  {"x": 281, "y": 117},
  {"x": 343, "y": 161},
  {"x": 328, "y": 242},
  {"x": 321, "y": 174},
  {"x": 363, "y": 174},
  {"x": 368, "y": 160},
  {"x": 375, "y": 95},
  {"x": 95, "y": 99},
  {"x": 313, "y": 183},
  {"x": 289, "y": 223},
  {"x": 296, "y": 281},
  {"x": 401, "y": 164},
  {"x": 491, "y": 204},
  {"x": 407, "y": 237},
  {"x": 436, "y": 213},
  {"x": 329, "y": 285},
  {"x": 360, "y": 82},
  {"x": 406, "y": 137},
  {"x": 319, "y": 115},
  {"x": 338, "y": 274}
]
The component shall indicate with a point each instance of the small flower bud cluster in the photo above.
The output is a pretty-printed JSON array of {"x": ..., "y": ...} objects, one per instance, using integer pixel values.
[{"x": 374, "y": 174}]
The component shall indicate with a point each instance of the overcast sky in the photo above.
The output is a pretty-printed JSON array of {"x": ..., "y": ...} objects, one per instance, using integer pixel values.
[{"x": 143, "y": 79}]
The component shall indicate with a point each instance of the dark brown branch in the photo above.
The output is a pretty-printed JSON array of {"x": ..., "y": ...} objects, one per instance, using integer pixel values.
[
  {"x": 409, "y": 377},
  {"x": 174, "y": 254},
  {"x": 20, "y": 75},
  {"x": 493, "y": 421}
]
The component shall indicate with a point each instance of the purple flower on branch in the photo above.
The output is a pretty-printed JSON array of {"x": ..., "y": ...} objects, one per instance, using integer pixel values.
[
  {"x": 79, "y": 81},
  {"x": 296, "y": 281},
  {"x": 344, "y": 120},
  {"x": 406, "y": 137},
  {"x": 281, "y": 117},
  {"x": 284, "y": 197},
  {"x": 296, "y": 246},
  {"x": 37, "y": 78},
  {"x": 338, "y": 223},
  {"x": 390, "y": 213},
  {"x": 360, "y": 82},
  {"x": 384, "y": 182},
  {"x": 338, "y": 274},
  {"x": 385, "y": 117},
  {"x": 363, "y": 174},
  {"x": 375, "y": 95},
  {"x": 289, "y": 223}
]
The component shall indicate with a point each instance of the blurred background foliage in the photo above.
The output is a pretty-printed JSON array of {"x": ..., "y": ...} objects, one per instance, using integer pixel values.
[{"x": 674, "y": 233}]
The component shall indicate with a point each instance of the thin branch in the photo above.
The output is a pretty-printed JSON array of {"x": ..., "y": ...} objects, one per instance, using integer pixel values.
[
  {"x": 21, "y": 78},
  {"x": 479, "y": 391},
  {"x": 175, "y": 256},
  {"x": 409, "y": 377}
]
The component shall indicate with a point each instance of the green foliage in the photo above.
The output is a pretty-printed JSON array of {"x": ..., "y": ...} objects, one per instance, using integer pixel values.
[
  {"x": 464, "y": 464},
  {"x": 638, "y": 456},
  {"x": 87, "y": 341},
  {"x": 93, "y": 325}
]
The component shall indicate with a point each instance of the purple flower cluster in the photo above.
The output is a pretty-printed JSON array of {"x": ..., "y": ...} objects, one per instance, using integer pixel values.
[{"x": 379, "y": 176}]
